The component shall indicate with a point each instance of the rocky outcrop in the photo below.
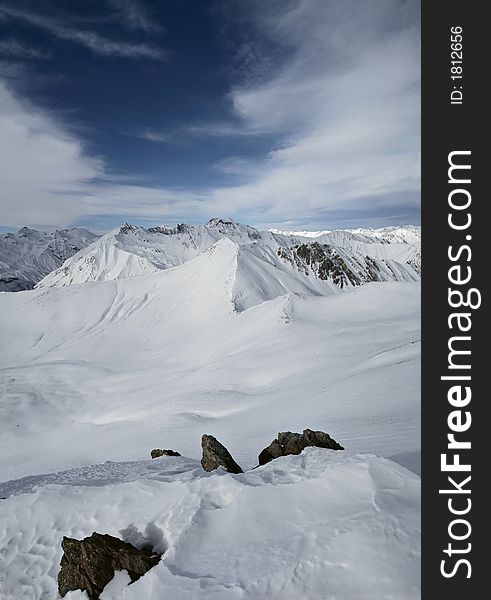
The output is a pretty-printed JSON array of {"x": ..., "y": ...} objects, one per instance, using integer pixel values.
[
  {"x": 332, "y": 264},
  {"x": 293, "y": 443},
  {"x": 216, "y": 455},
  {"x": 157, "y": 452},
  {"x": 90, "y": 564}
]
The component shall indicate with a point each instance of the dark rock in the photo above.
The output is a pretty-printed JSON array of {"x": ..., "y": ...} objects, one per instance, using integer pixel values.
[
  {"x": 274, "y": 450},
  {"x": 158, "y": 452},
  {"x": 216, "y": 455},
  {"x": 90, "y": 564},
  {"x": 293, "y": 443}
]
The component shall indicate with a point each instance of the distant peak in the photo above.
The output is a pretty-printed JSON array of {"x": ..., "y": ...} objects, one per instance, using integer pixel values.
[
  {"x": 127, "y": 227},
  {"x": 217, "y": 222}
]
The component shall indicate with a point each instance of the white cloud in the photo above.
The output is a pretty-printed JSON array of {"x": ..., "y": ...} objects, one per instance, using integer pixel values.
[
  {"x": 346, "y": 101},
  {"x": 49, "y": 180},
  {"x": 39, "y": 163}
]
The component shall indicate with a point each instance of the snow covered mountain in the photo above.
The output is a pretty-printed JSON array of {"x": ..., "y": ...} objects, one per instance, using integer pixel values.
[
  {"x": 408, "y": 234},
  {"x": 219, "y": 329},
  {"x": 309, "y": 234},
  {"x": 345, "y": 258},
  {"x": 28, "y": 255}
]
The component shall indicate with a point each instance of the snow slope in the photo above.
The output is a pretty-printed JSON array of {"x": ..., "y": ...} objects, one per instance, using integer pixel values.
[
  {"x": 300, "y": 233},
  {"x": 213, "y": 332},
  {"x": 321, "y": 525},
  {"x": 110, "y": 370},
  {"x": 28, "y": 255},
  {"x": 407, "y": 234}
]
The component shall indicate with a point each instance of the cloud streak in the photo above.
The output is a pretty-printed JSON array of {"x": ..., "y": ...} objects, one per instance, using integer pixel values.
[
  {"x": 95, "y": 42},
  {"x": 12, "y": 48},
  {"x": 134, "y": 15}
]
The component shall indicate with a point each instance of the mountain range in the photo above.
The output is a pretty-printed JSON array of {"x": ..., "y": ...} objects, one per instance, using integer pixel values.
[
  {"x": 281, "y": 262},
  {"x": 150, "y": 337},
  {"x": 29, "y": 255}
]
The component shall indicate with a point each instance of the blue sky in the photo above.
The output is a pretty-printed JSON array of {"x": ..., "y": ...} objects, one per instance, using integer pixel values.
[{"x": 290, "y": 114}]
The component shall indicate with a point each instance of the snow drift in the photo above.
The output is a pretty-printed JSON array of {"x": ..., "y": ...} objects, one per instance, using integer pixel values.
[{"x": 318, "y": 525}]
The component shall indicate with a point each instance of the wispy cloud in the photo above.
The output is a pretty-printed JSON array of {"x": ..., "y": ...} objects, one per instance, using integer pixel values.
[
  {"x": 134, "y": 15},
  {"x": 12, "y": 48},
  {"x": 95, "y": 42},
  {"x": 151, "y": 135},
  {"x": 199, "y": 131},
  {"x": 231, "y": 129}
]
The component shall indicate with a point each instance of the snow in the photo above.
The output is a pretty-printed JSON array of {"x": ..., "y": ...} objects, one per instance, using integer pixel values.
[
  {"x": 28, "y": 255},
  {"x": 175, "y": 332},
  {"x": 407, "y": 234},
  {"x": 322, "y": 524},
  {"x": 110, "y": 370},
  {"x": 300, "y": 233}
]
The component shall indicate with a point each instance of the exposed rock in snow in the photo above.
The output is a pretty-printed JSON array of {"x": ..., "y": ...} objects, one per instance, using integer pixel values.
[
  {"x": 216, "y": 455},
  {"x": 89, "y": 564},
  {"x": 317, "y": 525},
  {"x": 343, "y": 268},
  {"x": 157, "y": 452},
  {"x": 29, "y": 255},
  {"x": 294, "y": 443}
]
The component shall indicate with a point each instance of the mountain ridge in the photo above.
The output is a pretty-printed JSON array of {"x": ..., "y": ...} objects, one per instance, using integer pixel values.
[{"x": 130, "y": 250}]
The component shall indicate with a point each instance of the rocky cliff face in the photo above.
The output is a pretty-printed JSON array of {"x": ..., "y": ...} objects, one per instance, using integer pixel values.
[{"x": 341, "y": 267}]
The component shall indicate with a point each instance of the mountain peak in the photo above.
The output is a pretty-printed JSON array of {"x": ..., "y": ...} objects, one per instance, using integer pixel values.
[
  {"x": 126, "y": 228},
  {"x": 217, "y": 222}
]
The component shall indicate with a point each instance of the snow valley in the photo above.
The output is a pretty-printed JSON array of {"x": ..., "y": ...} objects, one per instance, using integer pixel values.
[{"x": 147, "y": 338}]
